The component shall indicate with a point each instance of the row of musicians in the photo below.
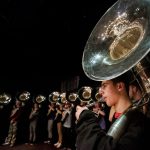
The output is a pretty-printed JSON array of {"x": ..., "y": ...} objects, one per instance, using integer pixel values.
[{"x": 60, "y": 120}]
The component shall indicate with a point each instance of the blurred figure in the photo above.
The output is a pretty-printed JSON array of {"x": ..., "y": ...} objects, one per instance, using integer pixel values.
[
  {"x": 135, "y": 92},
  {"x": 58, "y": 123},
  {"x": 98, "y": 110},
  {"x": 14, "y": 120},
  {"x": 50, "y": 116},
  {"x": 67, "y": 126},
  {"x": 33, "y": 123},
  {"x": 136, "y": 95}
]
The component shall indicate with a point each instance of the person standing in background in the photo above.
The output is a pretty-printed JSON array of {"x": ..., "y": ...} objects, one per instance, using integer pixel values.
[
  {"x": 58, "y": 124},
  {"x": 13, "y": 127},
  {"x": 33, "y": 123},
  {"x": 97, "y": 109},
  {"x": 67, "y": 126},
  {"x": 50, "y": 117}
]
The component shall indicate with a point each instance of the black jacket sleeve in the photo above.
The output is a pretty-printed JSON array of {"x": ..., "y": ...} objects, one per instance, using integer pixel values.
[{"x": 91, "y": 137}]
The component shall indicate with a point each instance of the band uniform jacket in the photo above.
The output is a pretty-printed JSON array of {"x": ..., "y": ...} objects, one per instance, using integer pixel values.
[{"x": 91, "y": 137}]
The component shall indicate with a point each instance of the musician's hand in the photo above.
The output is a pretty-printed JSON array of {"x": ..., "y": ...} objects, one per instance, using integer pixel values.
[
  {"x": 79, "y": 109},
  {"x": 12, "y": 121}
]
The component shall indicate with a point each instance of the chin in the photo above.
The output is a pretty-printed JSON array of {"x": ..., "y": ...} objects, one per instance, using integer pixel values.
[{"x": 109, "y": 105}]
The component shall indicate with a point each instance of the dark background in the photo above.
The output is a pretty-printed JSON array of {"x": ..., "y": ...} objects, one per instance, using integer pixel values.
[{"x": 42, "y": 41}]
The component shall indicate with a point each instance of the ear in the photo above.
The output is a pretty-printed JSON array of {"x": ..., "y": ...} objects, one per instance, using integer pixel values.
[{"x": 120, "y": 86}]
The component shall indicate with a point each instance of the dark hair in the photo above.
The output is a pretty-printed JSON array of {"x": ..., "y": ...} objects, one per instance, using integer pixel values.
[
  {"x": 126, "y": 78},
  {"x": 136, "y": 84}
]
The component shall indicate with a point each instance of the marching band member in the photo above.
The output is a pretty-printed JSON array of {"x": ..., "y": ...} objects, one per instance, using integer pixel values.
[
  {"x": 14, "y": 120},
  {"x": 91, "y": 137},
  {"x": 33, "y": 123},
  {"x": 50, "y": 116},
  {"x": 58, "y": 123}
]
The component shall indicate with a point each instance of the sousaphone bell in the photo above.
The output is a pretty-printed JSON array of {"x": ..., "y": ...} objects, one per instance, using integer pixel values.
[
  {"x": 39, "y": 99},
  {"x": 85, "y": 95},
  {"x": 24, "y": 96},
  {"x": 72, "y": 97},
  {"x": 119, "y": 41},
  {"x": 54, "y": 97},
  {"x": 5, "y": 99}
]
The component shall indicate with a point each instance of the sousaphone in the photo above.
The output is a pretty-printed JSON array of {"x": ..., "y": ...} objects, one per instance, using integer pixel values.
[
  {"x": 97, "y": 96},
  {"x": 72, "y": 97},
  {"x": 5, "y": 99},
  {"x": 62, "y": 98},
  {"x": 54, "y": 97},
  {"x": 39, "y": 99},
  {"x": 85, "y": 94},
  {"x": 24, "y": 96},
  {"x": 120, "y": 42}
]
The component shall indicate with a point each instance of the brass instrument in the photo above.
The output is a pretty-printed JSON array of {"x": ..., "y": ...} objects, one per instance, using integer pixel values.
[
  {"x": 5, "y": 99},
  {"x": 62, "y": 99},
  {"x": 85, "y": 94},
  {"x": 72, "y": 97},
  {"x": 120, "y": 43},
  {"x": 89, "y": 95},
  {"x": 54, "y": 97},
  {"x": 24, "y": 96},
  {"x": 39, "y": 99},
  {"x": 97, "y": 96}
]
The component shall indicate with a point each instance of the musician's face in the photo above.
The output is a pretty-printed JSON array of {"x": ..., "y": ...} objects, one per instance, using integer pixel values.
[{"x": 109, "y": 92}]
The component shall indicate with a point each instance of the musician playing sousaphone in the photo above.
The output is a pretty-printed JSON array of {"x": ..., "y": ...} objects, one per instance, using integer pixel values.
[
  {"x": 89, "y": 134},
  {"x": 118, "y": 42}
]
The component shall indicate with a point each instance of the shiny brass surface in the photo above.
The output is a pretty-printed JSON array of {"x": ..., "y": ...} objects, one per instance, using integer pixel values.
[
  {"x": 54, "y": 97},
  {"x": 119, "y": 40}
]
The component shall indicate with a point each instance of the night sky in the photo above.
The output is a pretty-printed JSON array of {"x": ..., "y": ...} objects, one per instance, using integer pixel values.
[{"x": 42, "y": 41}]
